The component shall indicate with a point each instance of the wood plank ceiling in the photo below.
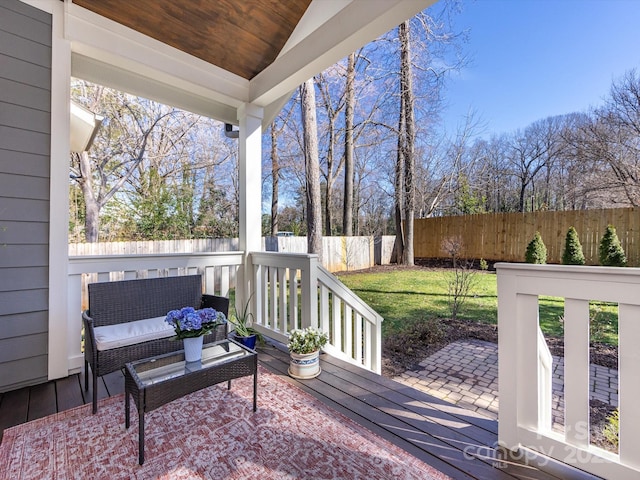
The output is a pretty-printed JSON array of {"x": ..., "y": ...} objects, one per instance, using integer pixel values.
[{"x": 241, "y": 36}]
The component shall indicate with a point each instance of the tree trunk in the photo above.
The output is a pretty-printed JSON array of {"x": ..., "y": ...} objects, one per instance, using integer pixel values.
[
  {"x": 398, "y": 248},
  {"x": 406, "y": 89},
  {"x": 347, "y": 216},
  {"x": 330, "y": 174},
  {"x": 312, "y": 168},
  {"x": 92, "y": 208},
  {"x": 328, "y": 218},
  {"x": 328, "y": 192},
  {"x": 275, "y": 177}
]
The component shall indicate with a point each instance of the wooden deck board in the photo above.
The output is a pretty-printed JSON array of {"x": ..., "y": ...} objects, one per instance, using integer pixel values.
[
  {"x": 42, "y": 401},
  {"x": 69, "y": 393},
  {"x": 337, "y": 400},
  {"x": 114, "y": 383},
  {"x": 428, "y": 418},
  {"x": 387, "y": 386},
  {"x": 440, "y": 434},
  {"x": 14, "y": 408},
  {"x": 415, "y": 409},
  {"x": 432, "y": 439}
]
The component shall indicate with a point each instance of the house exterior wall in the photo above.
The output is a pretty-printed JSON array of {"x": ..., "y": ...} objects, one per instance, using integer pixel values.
[{"x": 25, "y": 139}]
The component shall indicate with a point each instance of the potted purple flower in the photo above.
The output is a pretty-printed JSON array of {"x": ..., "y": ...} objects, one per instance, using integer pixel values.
[{"x": 191, "y": 325}]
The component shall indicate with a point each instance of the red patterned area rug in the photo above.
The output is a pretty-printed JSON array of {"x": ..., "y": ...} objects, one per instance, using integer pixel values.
[{"x": 210, "y": 434}]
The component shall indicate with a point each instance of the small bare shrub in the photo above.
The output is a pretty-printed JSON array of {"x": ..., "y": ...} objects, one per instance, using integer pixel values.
[{"x": 461, "y": 278}]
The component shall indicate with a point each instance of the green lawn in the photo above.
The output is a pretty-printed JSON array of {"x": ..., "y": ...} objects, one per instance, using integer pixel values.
[{"x": 403, "y": 296}]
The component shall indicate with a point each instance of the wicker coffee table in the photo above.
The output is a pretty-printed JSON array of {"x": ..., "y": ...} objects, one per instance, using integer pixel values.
[{"x": 155, "y": 381}]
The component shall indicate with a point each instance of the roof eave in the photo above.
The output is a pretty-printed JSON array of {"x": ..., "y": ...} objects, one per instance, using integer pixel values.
[
  {"x": 119, "y": 57},
  {"x": 358, "y": 23}
]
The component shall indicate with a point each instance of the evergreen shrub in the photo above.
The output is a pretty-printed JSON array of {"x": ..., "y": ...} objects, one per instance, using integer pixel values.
[
  {"x": 572, "y": 254},
  {"x": 611, "y": 252},
  {"x": 536, "y": 250}
]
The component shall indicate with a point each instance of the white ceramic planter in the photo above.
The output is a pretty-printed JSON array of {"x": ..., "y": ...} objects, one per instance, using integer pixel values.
[
  {"x": 306, "y": 365},
  {"x": 193, "y": 349}
]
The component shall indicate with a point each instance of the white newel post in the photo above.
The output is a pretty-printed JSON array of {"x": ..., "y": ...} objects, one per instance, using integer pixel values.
[
  {"x": 507, "y": 367},
  {"x": 250, "y": 178}
]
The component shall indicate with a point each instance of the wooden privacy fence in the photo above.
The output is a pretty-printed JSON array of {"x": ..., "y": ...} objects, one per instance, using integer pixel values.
[{"x": 505, "y": 236}]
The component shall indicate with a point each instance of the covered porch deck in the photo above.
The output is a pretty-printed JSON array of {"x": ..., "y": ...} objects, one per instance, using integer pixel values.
[{"x": 458, "y": 442}]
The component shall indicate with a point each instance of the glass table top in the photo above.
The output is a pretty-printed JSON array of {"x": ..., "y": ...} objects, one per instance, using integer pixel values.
[{"x": 166, "y": 367}]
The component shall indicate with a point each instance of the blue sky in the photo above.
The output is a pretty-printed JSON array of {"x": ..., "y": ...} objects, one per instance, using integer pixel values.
[{"x": 536, "y": 58}]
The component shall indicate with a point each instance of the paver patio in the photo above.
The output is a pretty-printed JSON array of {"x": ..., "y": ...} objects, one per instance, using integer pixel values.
[{"x": 465, "y": 373}]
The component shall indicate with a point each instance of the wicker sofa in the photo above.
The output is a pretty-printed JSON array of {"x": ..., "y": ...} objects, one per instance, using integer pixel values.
[{"x": 125, "y": 321}]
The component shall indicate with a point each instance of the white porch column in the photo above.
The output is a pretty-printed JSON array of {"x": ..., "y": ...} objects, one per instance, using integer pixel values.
[
  {"x": 250, "y": 179},
  {"x": 64, "y": 326}
]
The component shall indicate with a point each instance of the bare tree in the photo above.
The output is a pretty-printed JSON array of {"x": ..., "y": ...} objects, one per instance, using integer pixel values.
[
  {"x": 530, "y": 151},
  {"x": 399, "y": 186},
  {"x": 332, "y": 161},
  {"x": 312, "y": 167},
  {"x": 407, "y": 141},
  {"x": 347, "y": 215},
  {"x": 125, "y": 142},
  {"x": 611, "y": 139},
  {"x": 275, "y": 177},
  {"x": 153, "y": 170}
]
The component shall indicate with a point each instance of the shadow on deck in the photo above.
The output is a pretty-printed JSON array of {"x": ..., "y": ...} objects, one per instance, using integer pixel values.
[{"x": 458, "y": 442}]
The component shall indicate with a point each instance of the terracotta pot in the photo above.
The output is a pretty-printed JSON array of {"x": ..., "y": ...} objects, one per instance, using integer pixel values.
[{"x": 305, "y": 365}]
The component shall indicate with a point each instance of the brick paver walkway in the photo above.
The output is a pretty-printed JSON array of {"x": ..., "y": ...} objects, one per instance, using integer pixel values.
[{"x": 466, "y": 373}]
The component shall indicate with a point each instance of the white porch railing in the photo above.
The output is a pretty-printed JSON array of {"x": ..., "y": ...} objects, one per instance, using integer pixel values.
[
  {"x": 219, "y": 272},
  {"x": 294, "y": 291},
  {"x": 525, "y": 387},
  {"x": 291, "y": 291}
]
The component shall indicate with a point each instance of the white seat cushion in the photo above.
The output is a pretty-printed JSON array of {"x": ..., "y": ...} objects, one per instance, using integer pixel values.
[{"x": 130, "y": 333}]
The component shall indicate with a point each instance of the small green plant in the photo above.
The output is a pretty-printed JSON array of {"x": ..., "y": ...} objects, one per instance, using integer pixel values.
[
  {"x": 611, "y": 431},
  {"x": 242, "y": 322},
  {"x": 572, "y": 254},
  {"x": 305, "y": 341},
  {"x": 484, "y": 266},
  {"x": 536, "y": 250},
  {"x": 611, "y": 252}
]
